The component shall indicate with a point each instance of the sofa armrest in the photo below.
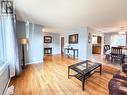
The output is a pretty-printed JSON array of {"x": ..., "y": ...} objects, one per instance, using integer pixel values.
[{"x": 120, "y": 75}]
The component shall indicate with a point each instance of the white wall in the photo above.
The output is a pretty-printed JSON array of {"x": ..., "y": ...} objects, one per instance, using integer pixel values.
[
  {"x": 35, "y": 46},
  {"x": 89, "y": 45},
  {"x": 56, "y": 48},
  {"x": 85, "y": 48},
  {"x": 82, "y": 41},
  {"x": 34, "y": 34}
]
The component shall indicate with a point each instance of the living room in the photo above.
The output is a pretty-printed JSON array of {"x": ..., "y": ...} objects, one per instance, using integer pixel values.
[{"x": 63, "y": 47}]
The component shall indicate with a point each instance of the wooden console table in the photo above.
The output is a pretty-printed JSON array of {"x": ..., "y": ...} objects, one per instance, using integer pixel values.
[
  {"x": 75, "y": 51},
  {"x": 48, "y": 51}
]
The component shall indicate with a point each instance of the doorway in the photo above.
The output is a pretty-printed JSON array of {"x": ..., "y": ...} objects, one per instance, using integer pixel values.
[
  {"x": 62, "y": 45},
  {"x": 96, "y": 44}
]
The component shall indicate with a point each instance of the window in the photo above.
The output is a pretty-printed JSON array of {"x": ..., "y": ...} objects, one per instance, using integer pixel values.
[{"x": 118, "y": 40}]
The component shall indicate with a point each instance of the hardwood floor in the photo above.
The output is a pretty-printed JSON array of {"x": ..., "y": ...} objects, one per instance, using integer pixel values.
[
  {"x": 101, "y": 59},
  {"x": 50, "y": 78}
]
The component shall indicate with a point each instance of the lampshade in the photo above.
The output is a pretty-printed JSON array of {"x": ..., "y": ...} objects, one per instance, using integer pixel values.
[{"x": 23, "y": 41}]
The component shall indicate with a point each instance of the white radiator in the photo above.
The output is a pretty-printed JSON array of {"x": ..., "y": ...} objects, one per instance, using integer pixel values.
[{"x": 4, "y": 78}]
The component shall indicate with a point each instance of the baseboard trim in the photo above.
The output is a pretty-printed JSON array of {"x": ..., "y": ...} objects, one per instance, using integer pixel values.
[{"x": 36, "y": 62}]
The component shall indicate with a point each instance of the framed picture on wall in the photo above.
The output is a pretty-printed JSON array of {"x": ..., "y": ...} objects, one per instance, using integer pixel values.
[
  {"x": 47, "y": 39},
  {"x": 89, "y": 38},
  {"x": 73, "y": 39}
]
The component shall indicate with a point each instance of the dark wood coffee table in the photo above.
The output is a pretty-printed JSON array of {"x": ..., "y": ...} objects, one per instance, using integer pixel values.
[{"x": 84, "y": 70}]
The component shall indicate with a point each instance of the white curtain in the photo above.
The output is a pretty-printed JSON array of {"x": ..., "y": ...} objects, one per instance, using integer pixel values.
[{"x": 9, "y": 44}]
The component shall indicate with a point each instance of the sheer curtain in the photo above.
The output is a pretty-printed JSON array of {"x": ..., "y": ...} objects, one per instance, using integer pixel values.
[
  {"x": 9, "y": 44},
  {"x": 1, "y": 47}
]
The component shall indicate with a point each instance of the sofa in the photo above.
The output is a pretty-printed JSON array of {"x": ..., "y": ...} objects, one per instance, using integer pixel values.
[{"x": 118, "y": 84}]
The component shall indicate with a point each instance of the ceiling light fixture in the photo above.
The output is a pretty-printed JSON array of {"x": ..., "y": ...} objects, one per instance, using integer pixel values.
[{"x": 122, "y": 31}]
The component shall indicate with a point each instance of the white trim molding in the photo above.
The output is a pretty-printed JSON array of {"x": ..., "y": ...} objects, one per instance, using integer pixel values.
[{"x": 36, "y": 62}]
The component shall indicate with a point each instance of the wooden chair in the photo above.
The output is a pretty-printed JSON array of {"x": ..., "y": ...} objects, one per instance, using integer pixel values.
[
  {"x": 106, "y": 47},
  {"x": 116, "y": 54}
]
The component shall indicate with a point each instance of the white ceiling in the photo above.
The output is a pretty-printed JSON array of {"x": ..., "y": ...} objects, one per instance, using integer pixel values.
[{"x": 105, "y": 15}]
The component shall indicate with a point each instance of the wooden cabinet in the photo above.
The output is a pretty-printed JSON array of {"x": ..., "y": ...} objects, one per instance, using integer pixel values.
[{"x": 96, "y": 49}]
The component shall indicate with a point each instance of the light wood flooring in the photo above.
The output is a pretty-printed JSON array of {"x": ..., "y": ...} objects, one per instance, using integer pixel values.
[{"x": 50, "y": 78}]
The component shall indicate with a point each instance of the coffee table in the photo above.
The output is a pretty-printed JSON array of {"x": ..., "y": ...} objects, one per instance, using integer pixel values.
[{"x": 84, "y": 70}]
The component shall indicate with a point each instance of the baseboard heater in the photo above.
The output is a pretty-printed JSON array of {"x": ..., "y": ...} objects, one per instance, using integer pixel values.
[{"x": 4, "y": 78}]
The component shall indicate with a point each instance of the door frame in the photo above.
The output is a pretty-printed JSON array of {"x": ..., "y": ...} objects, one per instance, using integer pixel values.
[{"x": 62, "y": 45}]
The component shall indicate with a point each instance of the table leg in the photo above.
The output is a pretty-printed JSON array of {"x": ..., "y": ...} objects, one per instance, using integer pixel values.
[
  {"x": 123, "y": 58},
  {"x": 77, "y": 53},
  {"x": 64, "y": 51},
  {"x": 68, "y": 72},
  {"x": 83, "y": 82},
  {"x": 67, "y": 50},
  {"x": 100, "y": 69},
  {"x": 74, "y": 53}
]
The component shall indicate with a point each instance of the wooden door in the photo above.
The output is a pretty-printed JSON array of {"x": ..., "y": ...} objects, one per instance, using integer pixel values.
[{"x": 62, "y": 45}]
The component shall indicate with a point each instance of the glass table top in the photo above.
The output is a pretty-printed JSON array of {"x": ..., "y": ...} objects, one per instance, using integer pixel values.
[{"x": 84, "y": 66}]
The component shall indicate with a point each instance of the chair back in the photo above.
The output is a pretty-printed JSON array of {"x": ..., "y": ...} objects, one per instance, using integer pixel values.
[
  {"x": 106, "y": 47},
  {"x": 116, "y": 51}
]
